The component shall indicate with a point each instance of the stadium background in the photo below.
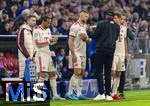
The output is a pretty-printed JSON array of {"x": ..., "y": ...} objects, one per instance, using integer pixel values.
[{"x": 65, "y": 12}]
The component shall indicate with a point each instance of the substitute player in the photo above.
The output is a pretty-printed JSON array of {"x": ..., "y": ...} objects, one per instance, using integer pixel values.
[
  {"x": 45, "y": 65},
  {"x": 119, "y": 55},
  {"x": 77, "y": 54},
  {"x": 25, "y": 43}
]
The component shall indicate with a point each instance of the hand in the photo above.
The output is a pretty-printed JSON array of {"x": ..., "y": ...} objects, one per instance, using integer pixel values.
[
  {"x": 89, "y": 40},
  {"x": 128, "y": 57},
  {"x": 53, "y": 39},
  {"x": 31, "y": 59},
  {"x": 74, "y": 58}
]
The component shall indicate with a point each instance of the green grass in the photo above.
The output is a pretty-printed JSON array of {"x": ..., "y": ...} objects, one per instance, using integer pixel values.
[
  {"x": 10, "y": 103},
  {"x": 133, "y": 98}
]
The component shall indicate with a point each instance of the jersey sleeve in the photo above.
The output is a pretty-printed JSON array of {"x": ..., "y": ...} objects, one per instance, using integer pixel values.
[
  {"x": 21, "y": 42},
  {"x": 73, "y": 31},
  {"x": 36, "y": 34}
]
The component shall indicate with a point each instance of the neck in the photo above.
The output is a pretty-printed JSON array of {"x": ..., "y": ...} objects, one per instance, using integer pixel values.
[
  {"x": 30, "y": 27},
  {"x": 81, "y": 21},
  {"x": 111, "y": 18},
  {"x": 43, "y": 26}
]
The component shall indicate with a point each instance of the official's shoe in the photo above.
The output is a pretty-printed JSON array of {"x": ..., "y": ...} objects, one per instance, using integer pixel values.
[
  {"x": 109, "y": 98},
  {"x": 99, "y": 97},
  {"x": 122, "y": 96}
]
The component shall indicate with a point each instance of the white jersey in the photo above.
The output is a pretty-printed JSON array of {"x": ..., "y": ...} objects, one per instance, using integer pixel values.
[
  {"x": 42, "y": 36},
  {"x": 80, "y": 46},
  {"x": 120, "y": 47}
]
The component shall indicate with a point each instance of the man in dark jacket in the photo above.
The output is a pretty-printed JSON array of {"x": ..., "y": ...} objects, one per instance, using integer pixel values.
[{"x": 106, "y": 34}]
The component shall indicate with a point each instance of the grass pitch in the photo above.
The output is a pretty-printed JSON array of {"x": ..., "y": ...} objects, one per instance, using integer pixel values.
[
  {"x": 133, "y": 98},
  {"x": 10, "y": 103}
]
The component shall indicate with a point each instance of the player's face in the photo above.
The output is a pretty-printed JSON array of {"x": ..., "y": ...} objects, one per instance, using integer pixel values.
[
  {"x": 32, "y": 22},
  {"x": 47, "y": 23},
  {"x": 85, "y": 17},
  {"x": 122, "y": 19}
]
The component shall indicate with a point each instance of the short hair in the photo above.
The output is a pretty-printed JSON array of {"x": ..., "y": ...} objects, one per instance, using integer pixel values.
[
  {"x": 110, "y": 12},
  {"x": 123, "y": 14},
  {"x": 31, "y": 16},
  {"x": 44, "y": 18},
  {"x": 118, "y": 14},
  {"x": 84, "y": 11}
]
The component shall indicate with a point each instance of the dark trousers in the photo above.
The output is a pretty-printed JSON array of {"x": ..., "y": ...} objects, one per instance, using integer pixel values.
[
  {"x": 103, "y": 61},
  {"x": 122, "y": 79}
]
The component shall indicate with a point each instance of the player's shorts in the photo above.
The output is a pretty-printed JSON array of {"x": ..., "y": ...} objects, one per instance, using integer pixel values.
[
  {"x": 81, "y": 62},
  {"x": 118, "y": 63},
  {"x": 44, "y": 62}
]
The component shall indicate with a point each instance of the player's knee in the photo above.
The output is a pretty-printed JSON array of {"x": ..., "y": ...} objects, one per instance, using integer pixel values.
[
  {"x": 117, "y": 74},
  {"x": 41, "y": 74},
  {"x": 77, "y": 72},
  {"x": 52, "y": 75},
  {"x": 112, "y": 73},
  {"x": 83, "y": 73}
]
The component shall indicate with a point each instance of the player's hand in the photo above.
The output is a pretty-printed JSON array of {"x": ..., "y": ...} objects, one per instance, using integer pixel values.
[
  {"x": 31, "y": 59},
  {"x": 53, "y": 39},
  {"x": 128, "y": 57},
  {"x": 74, "y": 58},
  {"x": 89, "y": 40}
]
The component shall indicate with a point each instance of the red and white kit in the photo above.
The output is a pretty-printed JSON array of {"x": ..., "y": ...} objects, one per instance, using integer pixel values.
[
  {"x": 43, "y": 57},
  {"x": 119, "y": 55},
  {"x": 76, "y": 30}
]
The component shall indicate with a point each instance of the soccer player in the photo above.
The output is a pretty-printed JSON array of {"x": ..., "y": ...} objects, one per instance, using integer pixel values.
[
  {"x": 25, "y": 43},
  {"x": 119, "y": 55},
  {"x": 77, "y": 55},
  {"x": 131, "y": 36},
  {"x": 45, "y": 65}
]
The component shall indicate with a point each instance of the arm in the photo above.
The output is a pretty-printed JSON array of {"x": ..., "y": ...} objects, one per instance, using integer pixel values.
[
  {"x": 20, "y": 42},
  {"x": 53, "y": 41},
  {"x": 41, "y": 43},
  {"x": 71, "y": 47},
  {"x": 130, "y": 34},
  {"x": 85, "y": 38},
  {"x": 38, "y": 41},
  {"x": 126, "y": 48},
  {"x": 72, "y": 35},
  {"x": 71, "y": 44}
]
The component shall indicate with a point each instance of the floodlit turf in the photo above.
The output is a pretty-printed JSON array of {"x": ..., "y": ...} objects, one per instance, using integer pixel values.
[
  {"x": 133, "y": 98},
  {"x": 10, "y": 103}
]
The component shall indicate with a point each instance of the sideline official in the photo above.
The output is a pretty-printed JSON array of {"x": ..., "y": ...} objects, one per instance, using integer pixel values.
[{"x": 106, "y": 34}]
